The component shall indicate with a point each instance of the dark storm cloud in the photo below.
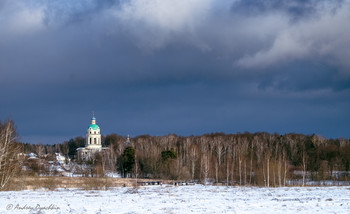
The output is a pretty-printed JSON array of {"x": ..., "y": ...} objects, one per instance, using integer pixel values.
[
  {"x": 296, "y": 9},
  {"x": 188, "y": 67},
  {"x": 113, "y": 33}
]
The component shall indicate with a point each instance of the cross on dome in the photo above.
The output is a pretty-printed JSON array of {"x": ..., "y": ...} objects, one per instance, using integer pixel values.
[{"x": 93, "y": 116}]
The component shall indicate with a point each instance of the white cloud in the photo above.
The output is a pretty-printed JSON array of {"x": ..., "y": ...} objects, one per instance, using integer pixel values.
[
  {"x": 321, "y": 37},
  {"x": 20, "y": 17},
  {"x": 331, "y": 36},
  {"x": 154, "y": 22},
  {"x": 285, "y": 48}
]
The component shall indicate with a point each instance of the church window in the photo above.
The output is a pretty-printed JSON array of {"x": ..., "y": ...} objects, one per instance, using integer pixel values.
[
  {"x": 95, "y": 140},
  {"x": 90, "y": 140}
]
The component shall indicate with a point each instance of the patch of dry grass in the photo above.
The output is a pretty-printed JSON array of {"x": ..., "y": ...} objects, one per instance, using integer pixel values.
[{"x": 54, "y": 182}]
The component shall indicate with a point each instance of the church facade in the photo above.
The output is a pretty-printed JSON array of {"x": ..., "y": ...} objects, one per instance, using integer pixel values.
[{"x": 93, "y": 142}]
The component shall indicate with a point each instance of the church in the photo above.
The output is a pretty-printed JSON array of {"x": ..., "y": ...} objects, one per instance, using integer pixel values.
[{"x": 93, "y": 142}]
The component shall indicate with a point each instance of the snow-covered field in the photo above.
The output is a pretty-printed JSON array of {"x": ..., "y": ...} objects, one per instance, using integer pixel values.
[{"x": 184, "y": 199}]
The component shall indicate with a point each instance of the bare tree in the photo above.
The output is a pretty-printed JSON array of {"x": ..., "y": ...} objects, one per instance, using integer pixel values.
[
  {"x": 267, "y": 159},
  {"x": 242, "y": 152},
  {"x": 233, "y": 155},
  {"x": 205, "y": 160},
  {"x": 111, "y": 158},
  {"x": 229, "y": 150},
  {"x": 285, "y": 169},
  {"x": 251, "y": 162},
  {"x": 40, "y": 150},
  {"x": 304, "y": 165},
  {"x": 193, "y": 159},
  {"x": 8, "y": 153},
  {"x": 205, "y": 166},
  {"x": 220, "y": 151}
]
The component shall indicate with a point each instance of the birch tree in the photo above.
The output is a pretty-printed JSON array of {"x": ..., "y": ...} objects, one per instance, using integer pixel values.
[
  {"x": 193, "y": 159},
  {"x": 304, "y": 165},
  {"x": 220, "y": 151},
  {"x": 8, "y": 153}
]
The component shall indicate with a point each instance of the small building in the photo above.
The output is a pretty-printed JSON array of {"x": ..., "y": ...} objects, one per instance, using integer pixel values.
[
  {"x": 32, "y": 156},
  {"x": 60, "y": 158},
  {"x": 93, "y": 142}
]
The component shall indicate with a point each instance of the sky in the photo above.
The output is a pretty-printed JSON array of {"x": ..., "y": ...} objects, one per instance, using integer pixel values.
[{"x": 187, "y": 67}]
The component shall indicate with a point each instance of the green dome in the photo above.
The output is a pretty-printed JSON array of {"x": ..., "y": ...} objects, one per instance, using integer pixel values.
[{"x": 94, "y": 126}]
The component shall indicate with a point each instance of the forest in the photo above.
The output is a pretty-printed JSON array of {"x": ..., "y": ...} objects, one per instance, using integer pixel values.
[{"x": 260, "y": 159}]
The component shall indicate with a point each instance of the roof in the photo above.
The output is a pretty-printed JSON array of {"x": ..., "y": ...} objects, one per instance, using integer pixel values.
[{"x": 94, "y": 126}]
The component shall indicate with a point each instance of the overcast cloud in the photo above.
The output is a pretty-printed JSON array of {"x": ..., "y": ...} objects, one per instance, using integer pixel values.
[{"x": 185, "y": 67}]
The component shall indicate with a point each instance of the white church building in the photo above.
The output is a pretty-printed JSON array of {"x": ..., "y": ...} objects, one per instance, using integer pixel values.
[{"x": 93, "y": 142}]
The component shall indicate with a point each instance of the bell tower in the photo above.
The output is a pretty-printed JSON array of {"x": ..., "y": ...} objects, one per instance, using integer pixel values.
[{"x": 93, "y": 136}]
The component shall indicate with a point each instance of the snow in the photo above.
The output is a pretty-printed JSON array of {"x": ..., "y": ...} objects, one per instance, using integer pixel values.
[
  {"x": 184, "y": 199},
  {"x": 113, "y": 175}
]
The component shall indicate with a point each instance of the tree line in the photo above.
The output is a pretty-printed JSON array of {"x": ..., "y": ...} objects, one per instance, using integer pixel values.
[
  {"x": 235, "y": 159},
  {"x": 261, "y": 159}
]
